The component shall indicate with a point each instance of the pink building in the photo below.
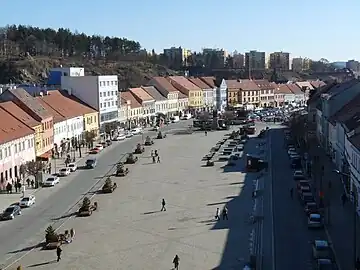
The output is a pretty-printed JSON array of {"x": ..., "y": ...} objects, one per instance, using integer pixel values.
[{"x": 17, "y": 146}]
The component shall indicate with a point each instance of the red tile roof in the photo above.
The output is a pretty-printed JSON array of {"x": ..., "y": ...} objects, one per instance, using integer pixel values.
[
  {"x": 264, "y": 84},
  {"x": 284, "y": 89},
  {"x": 127, "y": 95},
  {"x": 248, "y": 85},
  {"x": 66, "y": 105},
  {"x": 57, "y": 117},
  {"x": 233, "y": 84},
  {"x": 199, "y": 83},
  {"x": 184, "y": 82},
  {"x": 182, "y": 95},
  {"x": 295, "y": 88},
  {"x": 317, "y": 84},
  {"x": 209, "y": 81},
  {"x": 141, "y": 94},
  {"x": 164, "y": 83},
  {"x": 11, "y": 128},
  {"x": 19, "y": 114}
]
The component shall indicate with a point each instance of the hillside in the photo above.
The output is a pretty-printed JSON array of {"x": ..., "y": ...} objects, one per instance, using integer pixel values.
[{"x": 35, "y": 69}]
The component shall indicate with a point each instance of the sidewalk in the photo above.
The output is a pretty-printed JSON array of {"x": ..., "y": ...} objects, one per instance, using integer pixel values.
[
  {"x": 58, "y": 163},
  {"x": 341, "y": 219}
]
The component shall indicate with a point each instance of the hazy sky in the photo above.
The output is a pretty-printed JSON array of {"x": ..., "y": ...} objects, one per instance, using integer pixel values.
[{"x": 315, "y": 29}]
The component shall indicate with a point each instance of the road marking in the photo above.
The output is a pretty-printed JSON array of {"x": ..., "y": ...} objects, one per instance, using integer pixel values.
[
  {"x": 273, "y": 262},
  {"x": 67, "y": 219}
]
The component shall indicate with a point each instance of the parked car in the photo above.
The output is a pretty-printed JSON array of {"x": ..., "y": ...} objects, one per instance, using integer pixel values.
[
  {"x": 305, "y": 189},
  {"x": 311, "y": 207},
  {"x": 128, "y": 134},
  {"x": 11, "y": 212},
  {"x": 315, "y": 220},
  {"x": 108, "y": 142},
  {"x": 64, "y": 171},
  {"x": 136, "y": 131},
  {"x": 99, "y": 146},
  {"x": 91, "y": 163},
  {"x": 321, "y": 250},
  {"x": 324, "y": 264},
  {"x": 307, "y": 197},
  {"x": 299, "y": 175},
  {"x": 27, "y": 201},
  {"x": 72, "y": 167},
  {"x": 94, "y": 151},
  {"x": 51, "y": 181},
  {"x": 120, "y": 137}
]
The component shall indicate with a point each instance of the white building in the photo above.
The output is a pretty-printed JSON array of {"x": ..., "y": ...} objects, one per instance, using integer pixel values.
[
  {"x": 100, "y": 92},
  {"x": 161, "y": 102},
  {"x": 17, "y": 146}
]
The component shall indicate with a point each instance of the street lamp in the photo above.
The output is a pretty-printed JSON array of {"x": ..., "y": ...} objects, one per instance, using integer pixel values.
[{"x": 352, "y": 194}]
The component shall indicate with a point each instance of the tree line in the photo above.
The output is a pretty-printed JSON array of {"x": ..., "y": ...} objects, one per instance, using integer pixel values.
[{"x": 18, "y": 40}]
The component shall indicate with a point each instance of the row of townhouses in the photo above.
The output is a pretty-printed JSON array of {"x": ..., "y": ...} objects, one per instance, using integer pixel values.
[{"x": 334, "y": 115}]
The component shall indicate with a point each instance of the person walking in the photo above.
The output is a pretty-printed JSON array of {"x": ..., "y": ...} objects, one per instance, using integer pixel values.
[
  {"x": 72, "y": 233},
  {"x": 158, "y": 159},
  {"x": 58, "y": 253},
  {"x": 217, "y": 215},
  {"x": 225, "y": 213},
  {"x": 205, "y": 133},
  {"x": 176, "y": 261},
  {"x": 154, "y": 159},
  {"x": 163, "y": 205}
]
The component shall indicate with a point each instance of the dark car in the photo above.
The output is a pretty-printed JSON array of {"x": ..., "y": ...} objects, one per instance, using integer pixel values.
[
  {"x": 108, "y": 142},
  {"x": 307, "y": 197},
  {"x": 91, "y": 163},
  {"x": 11, "y": 212},
  {"x": 311, "y": 207}
]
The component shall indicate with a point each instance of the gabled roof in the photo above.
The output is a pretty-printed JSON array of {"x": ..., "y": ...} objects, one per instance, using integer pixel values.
[
  {"x": 11, "y": 128},
  {"x": 30, "y": 102},
  {"x": 284, "y": 89},
  {"x": 184, "y": 82},
  {"x": 353, "y": 122},
  {"x": 199, "y": 83},
  {"x": 248, "y": 85},
  {"x": 264, "y": 84},
  {"x": 128, "y": 96},
  {"x": 210, "y": 81},
  {"x": 19, "y": 114},
  {"x": 182, "y": 96},
  {"x": 57, "y": 117},
  {"x": 305, "y": 84},
  {"x": 295, "y": 89},
  {"x": 339, "y": 88},
  {"x": 164, "y": 83},
  {"x": 141, "y": 94},
  {"x": 233, "y": 84},
  {"x": 347, "y": 111},
  {"x": 65, "y": 104},
  {"x": 152, "y": 91}
]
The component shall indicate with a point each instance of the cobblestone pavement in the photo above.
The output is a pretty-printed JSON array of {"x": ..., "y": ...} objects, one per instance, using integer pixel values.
[{"x": 130, "y": 232}]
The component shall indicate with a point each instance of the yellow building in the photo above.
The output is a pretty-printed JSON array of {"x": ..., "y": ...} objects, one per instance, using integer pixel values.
[
  {"x": 91, "y": 122},
  {"x": 193, "y": 92},
  {"x": 38, "y": 140}
]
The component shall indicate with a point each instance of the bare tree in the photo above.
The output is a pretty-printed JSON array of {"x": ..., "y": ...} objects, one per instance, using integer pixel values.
[
  {"x": 89, "y": 138},
  {"x": 33, "y": 168}
]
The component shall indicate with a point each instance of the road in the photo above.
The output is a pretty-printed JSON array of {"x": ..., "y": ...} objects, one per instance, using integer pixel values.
[
  {"x": 292, "y": 249},
  {"x": 22, "y": 233}
]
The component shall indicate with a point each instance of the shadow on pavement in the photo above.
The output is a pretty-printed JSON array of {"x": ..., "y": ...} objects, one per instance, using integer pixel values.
[
  {"x": 64, "y": 216},
  {"x": 41, "y": 264},
  {"x": 151, "y": 212},
  {"x": 39, "y": 245},
  {"x": 236, "y": 252}
]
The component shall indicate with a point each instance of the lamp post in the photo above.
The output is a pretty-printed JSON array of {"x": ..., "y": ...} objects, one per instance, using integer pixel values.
[{"x": 354, "y": 197}]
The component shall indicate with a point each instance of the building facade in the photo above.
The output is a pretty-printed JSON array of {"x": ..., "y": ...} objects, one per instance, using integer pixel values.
[
  {"x": 55, "y": 74},
  {"x": 233, "y": 93},
  {"x": 255, "y": 61},
  {"x": 267, "y": 93},
  {"x": 135, "y": 109},
  {"x": 279, "y": 61},
  {"x": 250, "y": 94},
  {"x": 183, "y": 103},
  {"x": 208, "y": 93},
  {"x": 147, "y": 102},
  {"x": 193, "y": 92},
  {"x": 161, "y": 102},
  {"x": 99, "y": 92}
]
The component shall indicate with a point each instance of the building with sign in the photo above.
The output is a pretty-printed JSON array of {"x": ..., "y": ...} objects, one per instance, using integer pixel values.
[{"x": 55, "y": 74}]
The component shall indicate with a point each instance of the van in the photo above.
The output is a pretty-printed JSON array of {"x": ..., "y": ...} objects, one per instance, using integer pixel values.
[{"x": 91, "y": 163}]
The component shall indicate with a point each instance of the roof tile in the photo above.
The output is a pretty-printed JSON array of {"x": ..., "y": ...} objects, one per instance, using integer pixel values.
[
  {"x": 152, "y": 91},
  {"x": 248, "y": 85},
  {"x": 209, "y": 81},
  {"x": 141, "y": 94},
  {"x": 284, "y": 89},
  {"x": 295, "y": 88},
  {"x": 164, "y": 83},
  {"x": 184, "y": 82},
  {"x": 199, "y": 83},
  {"x": 19, "y": 113},
  {"x": 233, "y": 84},
  {"x": 128, "y": 96},
  {"x": 264, "y": 84},
  {"x": 11, "y": 128}
]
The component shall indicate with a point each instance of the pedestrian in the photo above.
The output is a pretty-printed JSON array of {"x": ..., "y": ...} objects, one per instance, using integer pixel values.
[
  {"x": 225, "y": 213},
  {"x": 163, "y": 205},
  {"x": 28, "y": 182},
  {"x": 158, "y": 159},
  {"x": 205, "y": 133},
  {"x": 58, "y": 253},
  {"x": 217, "y": 215},
  {"x": 152, "y": 153},
  {"x": 291, "y": 192},
  {"x": 156, "y": 153},
  {"x": 154, "y": 159},
  {"x": 176, "y": 261},
  {"x": 72, "y": 233},
  {"x": 32, "y": 183}
]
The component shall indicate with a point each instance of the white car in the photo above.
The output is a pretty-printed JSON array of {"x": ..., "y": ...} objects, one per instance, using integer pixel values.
[
  {"x": 292, "y": 150},
  {"x": 128, "y": 134},
  {"x": 121, "y": 137},
  {"x": 299, "y": 175},
  {"x": 27, "y": 201},
  {"x": 72, "y": 167},
  {"x": 315, "y": 221},
  {"x": 99, "y": 146},
  {"x": 136, "y": 131},
  {"x": 51, "y": 181},
  {"x": 64, "y": 171}
]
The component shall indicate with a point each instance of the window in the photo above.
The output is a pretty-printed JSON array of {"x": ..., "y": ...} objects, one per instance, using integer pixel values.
[
  {"x": 16, "y": 148},
  {"x": 23, "y": 145},
  {"x": 109, "y": 93},
  {"x": 108, "y": 103},
  {"x": 112, "y": 103},
  {"x": 1, "y": 154},
  {"x": 9, "y": 150},
  {"x": 104, "y": 104},
  {"x": 104, "y": 94},
  {"x": 116, "y": 82},
  {"x": 100, "y": 94},
  {"x": 108, "y": 83},
  {"x": 101, "y": 105},
  {"x": 29, "y": 144}
]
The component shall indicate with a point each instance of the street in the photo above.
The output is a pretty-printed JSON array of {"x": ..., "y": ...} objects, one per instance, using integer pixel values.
[
  {"x": 292, "y": 248},
  {"x": 130, "y": 232},
  {"x": 51, "y": 203}
]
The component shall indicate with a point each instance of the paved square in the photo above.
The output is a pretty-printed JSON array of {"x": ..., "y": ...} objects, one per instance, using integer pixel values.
[{"x": 130, "y": 232}]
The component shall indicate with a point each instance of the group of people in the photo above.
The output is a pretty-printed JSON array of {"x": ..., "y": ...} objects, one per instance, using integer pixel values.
[
  {"x": 67, "y": 238},
  {"x": 224, "y": 214},
  {"x": 155, "y": 156}
]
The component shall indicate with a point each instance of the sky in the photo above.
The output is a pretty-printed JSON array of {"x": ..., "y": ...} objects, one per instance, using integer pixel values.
[{"x": 315, "y": 29}]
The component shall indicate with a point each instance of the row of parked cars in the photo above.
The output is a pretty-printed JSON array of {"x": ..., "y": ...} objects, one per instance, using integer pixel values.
[
  {"x": 322, "y": 252},
  {"x": 15, "y": 209}
]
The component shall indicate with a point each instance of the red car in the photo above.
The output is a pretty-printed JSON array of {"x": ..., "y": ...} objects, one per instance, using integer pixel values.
[{"x": 94, "y": 151}]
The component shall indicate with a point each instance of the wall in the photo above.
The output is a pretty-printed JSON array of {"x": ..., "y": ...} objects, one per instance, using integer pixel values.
[
  {"x": 75, "y": 127},
  {"x": 38, "y": 140},
  {"x": 91, "y": 122},
  {"x": 13, "y": 154},
  {"x": 60, "y": 132},
  {"x": 340, "y": 146},
  {"x": 208, "y": 96},
  {"x": 353, "y": 156},
  {"x": 47, "y": 129},
  {"x": 161, "y": 107},
  {"x": 332, "y": 140},
  {"x": 148, "y": 108},
  {"x": 108, "y": 98},
  {"x": 289, "y": 98},
  {"x": 183, "y": 104},
  {"x": 173, "y": 104}
]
